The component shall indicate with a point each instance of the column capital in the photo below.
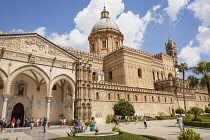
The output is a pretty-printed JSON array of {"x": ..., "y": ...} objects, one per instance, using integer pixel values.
[
  {"x": 48, "y": 99},
  {"x": 6, "y": 95}
]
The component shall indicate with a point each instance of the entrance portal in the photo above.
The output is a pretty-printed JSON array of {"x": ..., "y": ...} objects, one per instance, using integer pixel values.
[{"x": 18, "y": 112}]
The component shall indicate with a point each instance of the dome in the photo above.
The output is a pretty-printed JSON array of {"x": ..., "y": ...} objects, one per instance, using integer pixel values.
[{"x": 105, "y": 22}]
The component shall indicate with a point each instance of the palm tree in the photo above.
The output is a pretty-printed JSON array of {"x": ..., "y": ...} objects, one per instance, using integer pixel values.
[
  {"x": 194, "y": 81},
  {"x": 204, "y": 69},
  {"x": 183, "y": 68},
  {"x": 196, "y": 111}
]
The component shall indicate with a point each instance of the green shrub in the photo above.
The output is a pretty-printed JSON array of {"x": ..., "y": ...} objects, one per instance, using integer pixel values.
[
  {"x": 180, "y": 111},
  {"x": 116, "y": 129},
  {"x": 123, "y": 108},
  {"x": 197, "y": 123},
  {"x": 189, "y": 135},
  {"x": 196, "y": 119},
  {"x": 75, "y": 130},
  {"x": 108, "y": 118},
  {"x": 165, "y": 117}
]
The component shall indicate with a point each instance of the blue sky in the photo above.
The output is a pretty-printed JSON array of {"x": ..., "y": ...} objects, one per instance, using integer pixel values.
[{"x": 146, "y": 24}]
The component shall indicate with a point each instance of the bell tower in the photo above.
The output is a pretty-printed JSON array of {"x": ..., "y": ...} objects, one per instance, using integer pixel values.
[
  {"x": 105, "y": 36},
  {"x": 171, "y": 50}
]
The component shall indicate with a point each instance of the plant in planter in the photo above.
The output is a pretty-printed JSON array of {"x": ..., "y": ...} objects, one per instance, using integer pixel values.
[
  {"x": 72, "y": 122},
  {"x": 108, "y": 118},
  {"x": 87, "y": 123},
  {"x": 49, "y": 124}
]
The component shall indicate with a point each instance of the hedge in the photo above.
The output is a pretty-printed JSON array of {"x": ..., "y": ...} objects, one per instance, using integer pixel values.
[
  {"x": 165, "y": 117},
  {"x": 197, "y": 123}
]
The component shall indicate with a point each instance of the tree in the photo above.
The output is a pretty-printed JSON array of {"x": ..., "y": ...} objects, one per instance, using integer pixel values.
[
  {"x": 180, "y": 111},
  {"x": 196, "y": 111},
  {"x": 183, "y": 68},
  {"x": 204, "y": 69},
  {"x": 207, "y": 110},
  {"x": 194, "y": 81},
  {"x": 123, "y": 108}
]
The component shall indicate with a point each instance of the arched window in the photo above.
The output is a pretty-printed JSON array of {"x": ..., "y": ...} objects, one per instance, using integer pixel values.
[
  {"x": 54, "y": 87},
  {"x": 136, "y": 98},
  {"x": 204, "y": 98},
  {"x": 171, "y": 100},
  {"x": 116, "y": 45},
  {"x": 153, "y": 73},
  {"x": 170, "y": 75},
  {"x": 145, "y": 98},
  {"x": 93, "y": 47},
  {"x": 139, "y": 73},
  {"x": 118, "y": 96},
  {"x": 94, "y": 77},
  {"x": 158, "y": 76},
  {"x": 103, "y": 44},
  {"x": 158, "y": 99},
  {"x": 97, "y": 96},
  {"x": 152, "y": 99},
  {"x": 110, "y": 75},
  {"x": 128, "y": 97},
  {"x": 165, "y": 99},
  {"x": 109, "y": 97},
  {"x": 200, "y": 98}
]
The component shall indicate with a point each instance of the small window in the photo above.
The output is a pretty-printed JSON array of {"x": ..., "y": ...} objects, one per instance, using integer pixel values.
[
  {"x": 165, "y": 99},
  {"x": 103, "y": 44},
  {"x": 162, "y": 75},
  {"x": 152, "y": 99},
  {"x": 136, "y": 98},
  {"x": 21, "y": 88},
  {"x": 145, "y": 98},
  {"x": 158, "y": 99},
  {"x": 139, "y": 73},
  {"x": 204, "y": 98},
  {"x": 54, "y": 87},
  {"x": 97, "y": 96},
  {"x": 94, "y": 77},
  {"x": 110, "y": 75},
  {"x": 93, "y": 47},
  {"x": 153, "y": 75},
  {"x": 109, "y": 97},
  {"x": 200, "y": 98},
  {"x": 128, "y": 97},
  {"x": 118, "y": 96},
  {"x": 158, "y": 76},
  {"x": 116, "y": 44},
  {"x": 171, "y": 100}
]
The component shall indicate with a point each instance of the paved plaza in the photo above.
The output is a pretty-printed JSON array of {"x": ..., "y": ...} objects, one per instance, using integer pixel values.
[{"x": 165, "y": 129}]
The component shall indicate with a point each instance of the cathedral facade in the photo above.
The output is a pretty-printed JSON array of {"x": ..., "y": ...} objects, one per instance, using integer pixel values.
[{"x": 40, "y": 79}]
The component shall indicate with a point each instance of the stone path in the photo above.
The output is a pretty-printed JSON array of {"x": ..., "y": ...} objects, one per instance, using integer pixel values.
[{"x": 165, "y": 129}]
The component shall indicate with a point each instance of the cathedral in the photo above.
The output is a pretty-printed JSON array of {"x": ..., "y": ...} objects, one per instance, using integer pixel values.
[{"x": 41, "y": 79}]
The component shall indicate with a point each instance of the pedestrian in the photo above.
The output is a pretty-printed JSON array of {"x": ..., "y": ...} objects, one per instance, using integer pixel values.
[
  {"x": 18, "y": 122},
  {"x": 64, "y": 122},
  {"x": 126, "y": 119},
  {"x": 37, "y": 122},
  {"x": 61, "y": 122},
  {"x": 145, "y": 122},
  {"x": 32, "y": 122},
  {"x": 92, "y": 125},
  {"x": 117, "y": 121},
  {"x": 4, "y": 124},
  {"x": 13, "y": 122},
  {"x": 136, "y": 119},
  {"x": 77, "y": 122},
  {"x": 44, "y": 124},
  {"x": 40, "y": 123},
  {"x": 180, "y": 123},
  {"x": 25, "y": 122}
]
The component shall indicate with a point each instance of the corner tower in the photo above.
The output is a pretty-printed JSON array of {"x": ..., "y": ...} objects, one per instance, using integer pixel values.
[
  {"x": 171, "y": 50},
  {"x": 105, "y": 36}
]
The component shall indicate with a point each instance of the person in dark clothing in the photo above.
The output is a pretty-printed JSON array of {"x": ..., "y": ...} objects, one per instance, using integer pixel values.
[{"x": 44, "y": 123}]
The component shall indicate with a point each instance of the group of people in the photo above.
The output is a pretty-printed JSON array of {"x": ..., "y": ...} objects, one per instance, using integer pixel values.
[
  {"x": 27, "y": 122},
  {"x": 92, "y": 124},
  {"x": 62, "y": 122}
]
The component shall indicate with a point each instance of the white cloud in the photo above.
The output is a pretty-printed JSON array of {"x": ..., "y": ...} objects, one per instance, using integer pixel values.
[
  {"x": 41, "y": 31},
  {"x": 131, "y": 25},
  {"x": 174, "y": 7},
  {"x": 17, "y": 31},
  {"x": 202, "y": 10}
]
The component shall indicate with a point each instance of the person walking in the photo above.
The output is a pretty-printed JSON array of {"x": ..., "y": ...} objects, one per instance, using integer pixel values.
[
  {"x": 126, "y": 119},
  {"x": 25, "y": 122},
  {"x": 61, "y": 122},
  {"x": 77, "y": 122},
  {"x": 13, "y": 122},
  {"x": 44, "y": 124},
  {"x": 145, "y": 122},
  {"x": 37, "y": 122},
  {"x": 64, "y": 122},
  {"x": 92, "y": 125},
  {"x": 18, "y": 122},
  {"x": 4, "y": 124},
  {"x": 180, "y": 123},
  {"x": 117, "y": 121},
  {"x": 32, "y": 122}
]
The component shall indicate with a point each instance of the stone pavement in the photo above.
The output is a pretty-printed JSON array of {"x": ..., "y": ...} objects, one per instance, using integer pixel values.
[{"x": 165, "y": 129}]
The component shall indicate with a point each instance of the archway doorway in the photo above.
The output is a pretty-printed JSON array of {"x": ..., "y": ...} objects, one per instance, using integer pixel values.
[{"x": 18, "y": 112}]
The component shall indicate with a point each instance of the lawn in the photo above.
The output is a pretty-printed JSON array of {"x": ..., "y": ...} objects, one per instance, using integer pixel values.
[{"x": 124, "y": 136}]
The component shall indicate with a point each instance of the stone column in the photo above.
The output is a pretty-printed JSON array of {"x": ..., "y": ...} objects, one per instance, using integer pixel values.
[
  {"x": 73, "y": 99},
  {"x": 48, "y": 108},
  {"x": 4, "y": 109}
]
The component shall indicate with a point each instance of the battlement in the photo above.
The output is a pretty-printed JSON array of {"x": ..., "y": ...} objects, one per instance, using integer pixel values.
[{"x": 121, "y": 87}]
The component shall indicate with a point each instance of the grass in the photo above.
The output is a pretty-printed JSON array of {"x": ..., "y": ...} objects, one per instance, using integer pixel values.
[{"x": 124, "y": 136}]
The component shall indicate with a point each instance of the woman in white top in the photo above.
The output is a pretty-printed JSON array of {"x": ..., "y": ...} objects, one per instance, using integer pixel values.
[
  {"x": 37, "y": 122},
  {"x": 64, "y": 122}
]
